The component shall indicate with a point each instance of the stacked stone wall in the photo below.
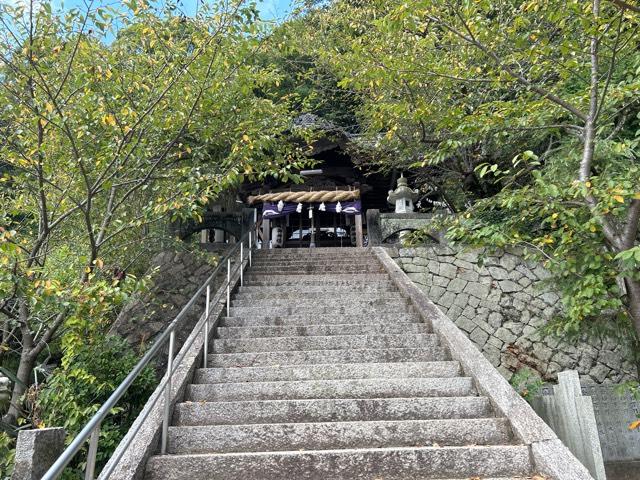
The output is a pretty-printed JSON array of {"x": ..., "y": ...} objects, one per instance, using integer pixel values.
[{"x": 500, "y": 302}]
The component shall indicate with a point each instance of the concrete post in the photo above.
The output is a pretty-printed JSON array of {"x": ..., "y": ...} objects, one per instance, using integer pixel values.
[
  {"x": 36, "y": 450},
  {"x": 571, "y": 416}
]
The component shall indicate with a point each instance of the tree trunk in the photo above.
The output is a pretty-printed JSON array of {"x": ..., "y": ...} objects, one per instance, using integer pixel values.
[
  {"x": 633, "y": 296},
  {"x": 27, "y": 362}
]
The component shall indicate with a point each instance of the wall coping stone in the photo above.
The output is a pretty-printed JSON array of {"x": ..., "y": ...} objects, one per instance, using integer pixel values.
[
  {"x": 550, "y": 456},
  {"x": 144, "y": 443},
  {"x": 36, "y": 451}
]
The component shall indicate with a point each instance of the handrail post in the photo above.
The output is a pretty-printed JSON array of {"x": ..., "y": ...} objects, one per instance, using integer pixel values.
[
  {"x": 90, "y": 469},
  {"x": 242, "y": 263},
  {"x": 228, "y": 287},
  {"x": 167, "y": 395},
  {"x": 250, "y": 246},
  {"x": 206, "y": 327}
]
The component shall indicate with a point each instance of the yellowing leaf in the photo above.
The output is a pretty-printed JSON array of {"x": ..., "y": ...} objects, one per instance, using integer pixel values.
[
  {"x": 245, "y": 137},
  {"x": 588, "y": 184},
  {"x": 109, "y": 120},
  {"x": 49, "y": 107},
  {"x": 634, "y": 425},
  {"x": 637, "y": 196},
  {"x": 619, "y": 198}
]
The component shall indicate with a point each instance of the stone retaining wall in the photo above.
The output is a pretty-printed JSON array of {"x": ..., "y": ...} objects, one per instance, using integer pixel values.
[{"x": 499, "y": 303}]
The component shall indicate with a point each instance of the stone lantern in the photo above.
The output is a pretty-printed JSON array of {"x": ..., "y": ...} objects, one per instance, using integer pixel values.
[
  {"x": 5, "y": 391},
  {"x": 403, "y": 197}
]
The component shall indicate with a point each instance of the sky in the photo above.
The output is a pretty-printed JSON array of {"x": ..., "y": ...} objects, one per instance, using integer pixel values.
[
  {"x": 270, "y": 9},
  {"x": 275, "y": 9}
]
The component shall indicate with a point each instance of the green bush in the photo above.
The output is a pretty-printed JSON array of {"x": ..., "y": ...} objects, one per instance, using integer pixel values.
[
  {"x": 527, "y": 383},
  {"x": 73, "y": 394},
  {"x": 7, "y": 454}
]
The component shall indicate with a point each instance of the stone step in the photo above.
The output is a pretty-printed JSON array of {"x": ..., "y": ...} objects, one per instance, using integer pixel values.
[
  {"x": 351, "y": 388},
  {"x": 284, "y": 294},
  {"x": 321, "y": 265},
  {"x": 252, "y": 279},
  {"x": 334, "y": 342},
  {"x": 293, "y": 290},
  {"x": 329, "y": 410},
  {"x": 321, "y": 300},
  {"x": 335, "y": 307},
  {"x": 315, "y": 319},
  {"x": 339, "y": 252},
  {"x": 329, "y": 372},
  {"x": 315, "y": 269},
  {"x": 337, "y": 435},
  {"x": 323, "y": 330},
  {"x": 314, "y": 357},
  {"x": 321, "y": 260},
  {"x": 415, "y": 463}
]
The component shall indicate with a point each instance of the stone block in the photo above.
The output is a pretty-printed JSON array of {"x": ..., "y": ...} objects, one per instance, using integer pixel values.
[
  {"x": 542, "y": 352},
  {"x": 464, "y": 323},
  {"x": 456, "y": 285},
  {"x": 436, "y": 292},
  {"x": 508, "y": 286},
  {"x": 541, "y": 273},
  {"x": 471, "y": 256},
  {"x": 599, "y": 372},
  {"x": 36, "y": 451},
  {"x": 447, "y": 299},
  {"x": 492, "y": 353},
  {"x": 498, "y": 273},
  {"x": 525, "y": 282},
  {"x": 469, "y": 311},
  {"x": 495, "y": 343},
  {"x": 474, "y": 301},
  {"x": 463, "y": 264},
  {"x": 515, "y": 275},
  {"x": 462, "y": 300},
  {"x": 454, "y": 312},
  {"x": 505, "y": 335},
  {"x": 477, "y": 290},
  {"x": 469, "y": 275},
  {"x": 448, "y": 270},
  {"x": 479, "y": 337},
  {"x": 550, "y": 298},
  {"x": 441, "y": 281},
  {"x": 495, "y": 319},
  {"x": 514, "y": 327},
  {"x": 509, "y": 261}
]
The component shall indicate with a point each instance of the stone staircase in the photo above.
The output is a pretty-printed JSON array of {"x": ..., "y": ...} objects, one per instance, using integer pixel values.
[{"x": 323, "y": 371}]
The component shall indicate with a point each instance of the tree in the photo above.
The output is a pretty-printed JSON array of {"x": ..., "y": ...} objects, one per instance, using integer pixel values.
[
  {"x": 535, "y": 105},
  {"x": 112, "y": 123}
]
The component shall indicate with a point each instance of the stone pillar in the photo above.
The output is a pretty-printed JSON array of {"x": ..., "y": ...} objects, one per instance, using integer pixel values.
[
  {"x": 36, "y": 450},
  {"x": 373, "y": 228},
  {"x": 359, "y": 237},
  {"x": 571, "y": 416},
  {"x": 266, "y": 233}
]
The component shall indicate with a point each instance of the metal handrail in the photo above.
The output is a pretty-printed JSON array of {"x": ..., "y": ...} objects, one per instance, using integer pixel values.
[{"x": 91, "y": 430}]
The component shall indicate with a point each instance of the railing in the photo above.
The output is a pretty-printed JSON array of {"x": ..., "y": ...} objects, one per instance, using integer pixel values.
[{"x": 91, "y": 430}]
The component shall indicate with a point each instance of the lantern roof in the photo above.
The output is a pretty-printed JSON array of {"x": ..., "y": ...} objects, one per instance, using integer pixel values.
[{"x": 402, "y": 191}]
